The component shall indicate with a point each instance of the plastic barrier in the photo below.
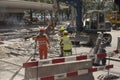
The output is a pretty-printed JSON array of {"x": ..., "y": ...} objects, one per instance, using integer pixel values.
[
  {"x": 56, "y": 71},
  {"x": 75, "y": 73},
  {"x": 50, "y": 69}
]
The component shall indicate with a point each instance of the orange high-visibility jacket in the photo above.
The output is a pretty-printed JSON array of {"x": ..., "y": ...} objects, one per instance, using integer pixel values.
[{"x": 42, "y": 41}]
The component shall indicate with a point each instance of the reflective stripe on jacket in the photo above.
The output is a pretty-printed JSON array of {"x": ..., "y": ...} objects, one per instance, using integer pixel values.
[{"x": 42, "y": 40}]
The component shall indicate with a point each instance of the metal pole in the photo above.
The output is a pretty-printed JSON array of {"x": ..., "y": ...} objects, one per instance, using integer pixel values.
[
  {"x": 108, "y": 64},
  {"x": 34, "y": 52}
]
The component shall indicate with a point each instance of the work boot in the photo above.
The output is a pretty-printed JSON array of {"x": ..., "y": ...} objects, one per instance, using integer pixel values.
[
  {"x": 104, "y": 61},
  {"x": 61, "y": 55},
  {"x": 96, "y": 64}
]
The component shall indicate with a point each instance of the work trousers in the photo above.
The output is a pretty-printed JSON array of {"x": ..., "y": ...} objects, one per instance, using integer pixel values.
[
  {"x": 61, "y": 50},
  {"x": 43, "y": 52},
  {"x": 67, "y": 52}
]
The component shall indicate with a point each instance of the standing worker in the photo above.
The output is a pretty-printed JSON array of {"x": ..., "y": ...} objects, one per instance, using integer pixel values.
[
  {"x": 61, "y": 37},
  {"x": 43, "y": 42},
  {"x": 67, "y": 44}
]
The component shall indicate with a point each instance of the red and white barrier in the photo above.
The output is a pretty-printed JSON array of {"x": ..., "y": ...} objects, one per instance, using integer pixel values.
[
  {"x": 67, "y": 59},
  {"x": 75, "y": 73},
  {"x": 110, "y": 54}
]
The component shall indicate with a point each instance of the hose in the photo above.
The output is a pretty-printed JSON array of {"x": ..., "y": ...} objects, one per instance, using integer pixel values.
[{"x": 13, "y": 76}]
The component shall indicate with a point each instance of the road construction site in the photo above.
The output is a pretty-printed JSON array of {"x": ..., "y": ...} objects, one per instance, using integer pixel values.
[
  {"x": 93, "y": 37},
  {"x": 14, "y": 52}
]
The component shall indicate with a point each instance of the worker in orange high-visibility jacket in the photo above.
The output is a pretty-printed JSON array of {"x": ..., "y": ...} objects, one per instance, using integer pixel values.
[{"x": 43, "y": 41}]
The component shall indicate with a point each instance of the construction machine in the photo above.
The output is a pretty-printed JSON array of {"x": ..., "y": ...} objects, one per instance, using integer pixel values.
[
  {"x": 88, "y": 27},
  {"x": 114, "y": 18}
]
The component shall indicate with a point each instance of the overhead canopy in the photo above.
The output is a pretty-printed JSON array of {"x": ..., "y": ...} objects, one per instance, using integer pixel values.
[{"x": 25, "y": 5}]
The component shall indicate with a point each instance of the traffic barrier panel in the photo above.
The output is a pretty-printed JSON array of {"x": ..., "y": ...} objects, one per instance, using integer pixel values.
[
  {"x": 76, "y": 70},
  {"x": 68, "y": 59},
  {"x": 61, "y": 71},
  {"x": 36, "y": 69},
  {"x": 76, "y": 73}
]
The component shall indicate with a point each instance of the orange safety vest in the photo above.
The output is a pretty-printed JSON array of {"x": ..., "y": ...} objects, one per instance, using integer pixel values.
[{"x": 42, "y": 41}]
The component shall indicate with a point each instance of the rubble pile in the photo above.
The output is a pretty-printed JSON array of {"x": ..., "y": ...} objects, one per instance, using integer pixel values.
[
  {"x": 3, "y": 52},
  {"x": 54, "y": 50},
  {"x": 12, "y": 47},
  {"x": 21, "y": 47}
]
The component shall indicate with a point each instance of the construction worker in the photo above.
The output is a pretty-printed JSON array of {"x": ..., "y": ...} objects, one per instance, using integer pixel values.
[
  {"x": 61, "y": 37},
  {"x": 98, "y": 60},
  {"x": 43, "y": 42},
  {"x": 98, "y": 49},
  {"x": 66, "y": 43}
]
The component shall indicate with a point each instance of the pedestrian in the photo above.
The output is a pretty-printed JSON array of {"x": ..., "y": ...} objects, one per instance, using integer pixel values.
[
  {"x": 43, "y": 41},
  {"x": 67, "y": 44},
  {"x": 60, "y": 38}
]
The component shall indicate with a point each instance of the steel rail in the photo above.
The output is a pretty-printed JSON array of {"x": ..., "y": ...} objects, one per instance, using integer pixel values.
[{"x": 113, "y": 59}]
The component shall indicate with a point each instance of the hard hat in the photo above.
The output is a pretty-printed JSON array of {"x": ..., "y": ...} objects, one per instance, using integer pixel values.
[
  {"x": 42, "y": 29},
  {"x": 62, "y": 29},
  {"x": 65, "y": 32}
]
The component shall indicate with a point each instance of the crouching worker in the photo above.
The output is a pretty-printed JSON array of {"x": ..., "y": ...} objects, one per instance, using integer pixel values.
[
  {"x": 66, "y": 43},
  {"x": 101, "y": 60},
  {"x": 43, "y": 41}
]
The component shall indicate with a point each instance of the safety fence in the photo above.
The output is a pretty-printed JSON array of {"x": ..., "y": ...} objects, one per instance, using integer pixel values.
[
  {"x": 68, "y": 59},
  {"x": 45, "y": 72},
  {"x": 65, "y": 68},
  {"x": 74, "y": 70},
  {"x": 75, "y": 73}
]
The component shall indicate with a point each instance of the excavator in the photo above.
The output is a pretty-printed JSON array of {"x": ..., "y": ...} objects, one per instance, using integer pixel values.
[{"x": 90, "y": 25}]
